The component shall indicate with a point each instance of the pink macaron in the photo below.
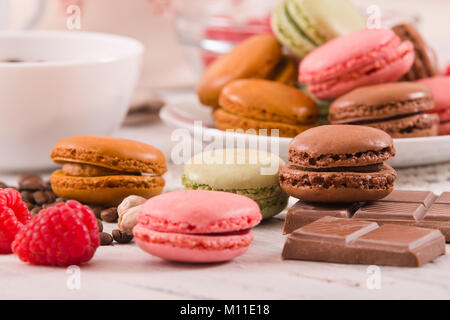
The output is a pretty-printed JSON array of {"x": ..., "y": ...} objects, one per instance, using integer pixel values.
[
  {"x": 361, "y": 58},
  {"x": 197, "y": 225},
  {"x": 440, "y": 88}
]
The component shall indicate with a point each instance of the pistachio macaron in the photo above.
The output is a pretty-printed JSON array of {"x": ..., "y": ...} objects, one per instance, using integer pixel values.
[
  {"x": 105, "y": 170},
  {"x": 251, "y": 173},
  {"x": 262, "y": 104}
]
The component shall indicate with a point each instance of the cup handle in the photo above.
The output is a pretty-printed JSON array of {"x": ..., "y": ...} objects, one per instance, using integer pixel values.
[{"x": 36, "y": 15}]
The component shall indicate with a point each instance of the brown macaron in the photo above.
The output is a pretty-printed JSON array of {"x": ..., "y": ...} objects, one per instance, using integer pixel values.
[
  {"x": 339, "y": 163},
  {"x": 259, "y": 56},
  {"x": 105, "y": 170},
  {"x": 425, "y": 62},
  {"x": 255, "y": 104},
  {"x": 399, "y": 108}
]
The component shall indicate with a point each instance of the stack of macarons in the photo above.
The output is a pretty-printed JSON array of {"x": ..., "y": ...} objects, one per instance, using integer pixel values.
[
  {"x": 338, "y": 55},
  {"x": 248, "y": 172},
  {"x": 339, "y": 163}
]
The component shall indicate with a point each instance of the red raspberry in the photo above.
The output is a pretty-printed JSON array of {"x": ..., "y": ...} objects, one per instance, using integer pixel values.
[
  {"x": 14, "y": 215},
  {"x": 62, "y": 235},
  {"x": 447, "y": 72}
]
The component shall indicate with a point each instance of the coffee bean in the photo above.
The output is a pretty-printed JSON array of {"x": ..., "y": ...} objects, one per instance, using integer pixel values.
[
  {"x": 48, "y": 186},
  {"x": 100, "y": 225},
  {"x": 27, "y": 196},
  {"x": 31, "y": 182},
  {"x": 35, "y": 211},
  {"x": 50, "y": 196},
  {"x": 122, "y": 237},
  {"x": 3, "y": 185},
  {"x": 109, "y": 215},
  {"x": 97, "y": 211},
  {"x": 105, "y": 238}
]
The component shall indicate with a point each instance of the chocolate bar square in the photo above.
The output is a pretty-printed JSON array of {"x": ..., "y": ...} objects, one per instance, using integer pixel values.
[
  {"x": 424, "y": 197},
  {"x": 302, "y": 213},
  {"x": 391, "y": 211},
  {"x": 443, "y": 198},
  {"x": 342, "y": 240}
]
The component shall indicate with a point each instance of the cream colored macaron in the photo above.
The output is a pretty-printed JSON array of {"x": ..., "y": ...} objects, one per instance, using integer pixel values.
[{"x": 251, "y": 173}]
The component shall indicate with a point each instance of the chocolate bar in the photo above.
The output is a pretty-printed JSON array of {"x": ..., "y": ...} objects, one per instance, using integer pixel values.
[
  {"x": 351, "y": 241},
  {"x": 415, "y": 208}
]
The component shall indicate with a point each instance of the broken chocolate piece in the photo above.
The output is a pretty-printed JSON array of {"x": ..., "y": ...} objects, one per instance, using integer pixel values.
[{"x": 339, "y": 240}]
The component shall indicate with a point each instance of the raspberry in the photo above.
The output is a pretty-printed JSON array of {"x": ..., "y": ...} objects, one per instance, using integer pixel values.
[
  {"x": 62, "y": 235},
  {"x": 14, "y": 215},
  {"x": 447, "y": 72}
]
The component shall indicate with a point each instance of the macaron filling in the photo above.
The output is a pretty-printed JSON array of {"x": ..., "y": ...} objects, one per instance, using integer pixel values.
[
  {"x": 382, "y": 179},
  {"x": 87, "y": 170},
  {"x": 369, "y": 168},
  {"x": 219, "y": 241},
  {"x": 340, "y": 160}
]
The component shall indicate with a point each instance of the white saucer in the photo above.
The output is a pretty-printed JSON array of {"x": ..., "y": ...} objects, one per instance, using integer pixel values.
[{"x": 410, "y": 151}]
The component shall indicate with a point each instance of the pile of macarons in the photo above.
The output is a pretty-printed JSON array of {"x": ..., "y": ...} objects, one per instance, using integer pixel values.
[{"x": 321, "y": 53}]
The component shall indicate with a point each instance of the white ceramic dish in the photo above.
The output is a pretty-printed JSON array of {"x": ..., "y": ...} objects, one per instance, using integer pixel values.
[
  {"x": 410, "y": 151},
  {"x": 71, "y": 83}
]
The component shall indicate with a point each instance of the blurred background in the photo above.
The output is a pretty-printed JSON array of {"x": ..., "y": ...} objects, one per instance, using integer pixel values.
[{"x": 182, "y": 36}]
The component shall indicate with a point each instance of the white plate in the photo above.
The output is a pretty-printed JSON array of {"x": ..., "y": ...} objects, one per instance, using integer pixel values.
[{"x": 410, "y": 151}]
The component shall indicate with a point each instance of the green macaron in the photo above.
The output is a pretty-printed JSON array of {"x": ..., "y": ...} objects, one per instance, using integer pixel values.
[
  {"x": 302, "y": 25},
  {"x": 251, "y": 173}
]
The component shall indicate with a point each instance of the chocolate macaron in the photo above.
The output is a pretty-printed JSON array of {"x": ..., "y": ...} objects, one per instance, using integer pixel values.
[
  {"x": 399, "y": 108},
  {"x": 104, "y": 170},
  {"x": 262, "y": 104},
  {"x": 339, "y": 163},
  {"x": 425, "y": 61}
]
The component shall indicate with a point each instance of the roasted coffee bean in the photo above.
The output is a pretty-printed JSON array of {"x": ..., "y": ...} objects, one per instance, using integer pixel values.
[
  {"x": 35, "y": 211},
  {"x": 122, "y": 237},
  {"x": 27, "y": 196},
  {"x": 48, "y": 186},
  {"x": 31, "y": 182},
  {"x": 109, "y": 215},
  {"x": 3, "y": 185},
  {"x": 97, "y": 211},
  {"x": 105, "y": 238},
  {"x": 100, "y": 225}
]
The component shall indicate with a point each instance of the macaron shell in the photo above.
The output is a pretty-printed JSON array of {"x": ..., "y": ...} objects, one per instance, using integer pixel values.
[
  {"x": 380, "y": 102},
  {"x": 228, "y": 121},
  {"x": 286, "y": 71},
  {"x": 364, "y": 57},
  {"x": 105, "y": 190},
  {"x": 329, "y": 140},
  {"x": 425, "y": 64},
  {"x": 113, "y": 153},
  {"x": 192, "y": 248},
  {"x": 253, "y": 58},
  {"x": 199, "y": 211},
  {"x": 234, "y": 169},
  {"x": 337, "y": 187},
  {"x": 288, "y": 33},
  {"x": 439, "y": 87},
  {"x": 444, "y": 128},
  {"x": 323, "y": 20},
  {"x": 389, "y": 73},
  {"x": 268, "y": 101},
  {"x": 418, "y": 125}
]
